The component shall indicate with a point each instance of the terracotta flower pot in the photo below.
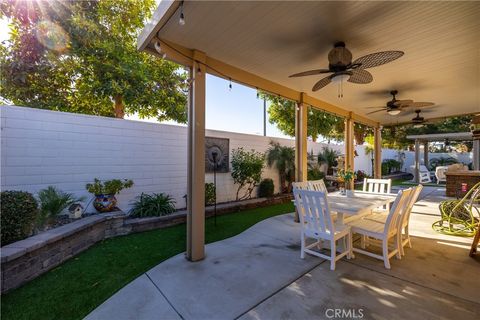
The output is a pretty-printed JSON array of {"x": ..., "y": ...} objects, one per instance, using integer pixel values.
[{"x": 105, "y": 202}]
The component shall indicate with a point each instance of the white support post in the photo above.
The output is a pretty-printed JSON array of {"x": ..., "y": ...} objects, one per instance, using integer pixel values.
[
  {"x": 196, "y": 162},
  {"x": 301, "y": 142},
  {"x": 417, "y": 161},
  {"x": 377, "y": 149},
  {"x": 425, "y": 153},
  {"x": 476, "y": 154},
  {"x": 300, "y": 145},
  {"x": 349, "y": 147}
]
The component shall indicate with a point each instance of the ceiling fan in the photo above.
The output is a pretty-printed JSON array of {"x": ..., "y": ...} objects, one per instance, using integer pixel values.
[
  {"x": 394, "y": 106},
  {"x": 342, "y": 68},
  {"x": 418, "y": 121}
]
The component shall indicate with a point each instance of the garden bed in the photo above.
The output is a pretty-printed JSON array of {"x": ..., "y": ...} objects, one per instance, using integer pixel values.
[{"x": 25, "y": 260}]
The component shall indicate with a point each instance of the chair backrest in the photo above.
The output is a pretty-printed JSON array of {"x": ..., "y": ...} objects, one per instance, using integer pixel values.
[
  {"x": 440, "y": 172},
  {"x": 377, "y": 185},
  {"x": 423, "y": 168},
  {"x": 396, "y": 210},
  {"x": 300, "y": 185},
  {"x": 317, "y": 185},
  {"x": 413, "y": 199},
  {"x": 314, "y": 212}
]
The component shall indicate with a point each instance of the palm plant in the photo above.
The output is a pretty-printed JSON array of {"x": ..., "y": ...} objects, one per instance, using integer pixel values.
[
  {"x": 52, "y": 203},
  {"x": 283, "y": 159},
  {"x": 329, "y": 157},
  {"x": 157, "y": 204}
]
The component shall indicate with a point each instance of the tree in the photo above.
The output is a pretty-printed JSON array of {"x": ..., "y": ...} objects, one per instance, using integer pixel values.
[
  {"x": 329, "y": 157},
  {"x": 395, "y": 137},
  {"x": 319, "y": 123},
  {"x": 80, "y": 56},
  {"x": 247, "y": 167},
  {"x": 283, "y": 159}
]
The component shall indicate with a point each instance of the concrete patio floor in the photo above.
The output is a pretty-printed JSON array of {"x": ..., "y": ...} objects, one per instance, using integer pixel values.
[{"x": 258, "y": 275}]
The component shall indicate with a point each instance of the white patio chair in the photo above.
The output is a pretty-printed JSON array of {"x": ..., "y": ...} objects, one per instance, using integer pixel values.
[
  {"x": 317, "y": 223},
  {"x": 424, "y": 174},
  {"x": 377, "y": 185},
  {"x": 403, "y": 221},
  {"x": 317, "y": 185},
  {"x": 440, "y": 174},
  {"x": 383, "y": 231}
]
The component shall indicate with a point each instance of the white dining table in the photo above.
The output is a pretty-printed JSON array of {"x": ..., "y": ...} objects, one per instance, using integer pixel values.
[{"x": 358, "y": 205}]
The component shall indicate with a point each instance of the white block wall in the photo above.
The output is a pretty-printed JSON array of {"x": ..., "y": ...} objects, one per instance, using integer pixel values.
[{"x": 41, "y": 148}]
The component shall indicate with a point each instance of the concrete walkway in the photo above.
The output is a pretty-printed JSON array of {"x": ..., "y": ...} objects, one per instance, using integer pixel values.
[{"x": 259, "y": 275}]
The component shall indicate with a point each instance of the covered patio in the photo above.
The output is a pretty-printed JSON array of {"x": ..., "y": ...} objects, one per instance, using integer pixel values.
[
  {"x": 259, "y": 44},
  {"x": 258, "y": 275}
]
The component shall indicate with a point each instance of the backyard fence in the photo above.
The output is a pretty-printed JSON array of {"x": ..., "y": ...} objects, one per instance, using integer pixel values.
[{"x": 41, "y": 148}]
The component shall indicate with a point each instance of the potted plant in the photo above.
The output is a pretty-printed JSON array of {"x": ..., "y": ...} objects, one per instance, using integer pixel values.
[
  {"x": 105, "y": 192},
  {"x": 347, "y": 175}
]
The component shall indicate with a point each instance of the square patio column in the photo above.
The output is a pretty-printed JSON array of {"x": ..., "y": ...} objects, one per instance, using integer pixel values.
[
  {"x": 425, "y": 153},
  {"x": 300, "y": 145},
  {"x": 377, "y": 149},
  {"x": 476, "y": 154},
  {"x": 301, "y": 142},
  {"x": 349, "y": 145},
  {"x": 417, "y": 161},
  {"x": 196, "y": 162}
]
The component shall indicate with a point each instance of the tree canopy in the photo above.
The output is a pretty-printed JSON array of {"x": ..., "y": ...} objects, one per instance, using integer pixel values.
[
  {"x": 320, "y": 123},
  {"x": 81, "y": 56}
]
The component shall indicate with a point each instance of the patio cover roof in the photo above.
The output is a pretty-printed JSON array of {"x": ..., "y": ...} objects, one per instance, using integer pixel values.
[
  {"x": 261, "y": 43},
  {"x": 456, "y": 136}
]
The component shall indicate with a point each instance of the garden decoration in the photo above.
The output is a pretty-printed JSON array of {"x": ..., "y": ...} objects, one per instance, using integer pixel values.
[
  {"x": 458, "y": 217},
  {"x": 105, "y": 192}
]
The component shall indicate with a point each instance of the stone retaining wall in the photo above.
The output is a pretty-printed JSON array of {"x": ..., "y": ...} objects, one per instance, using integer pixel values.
[{"x": 25, "y": 260}]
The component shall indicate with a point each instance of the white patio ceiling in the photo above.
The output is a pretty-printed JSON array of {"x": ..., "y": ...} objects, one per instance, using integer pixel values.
[{"x": 441, "y": 41}]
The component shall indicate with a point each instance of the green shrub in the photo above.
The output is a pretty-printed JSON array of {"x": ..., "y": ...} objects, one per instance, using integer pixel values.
[
  {"x": 19, "y": 212},
  {"x": 157, "y": 204},
  {"x": 315, "y": 174},
  {"x": 442, "y": 161},
  {"x": 210, "y": 194},
  {"x": 108, "y": 187},
  {"x": 247, "y": 167},
  {"x": 266, "y": 188},
  {"x": 52, "y": 203},
  {"x": 390, "y": 165}
]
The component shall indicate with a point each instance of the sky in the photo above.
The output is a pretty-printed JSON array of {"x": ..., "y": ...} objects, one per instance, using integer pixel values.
[{"x": 236, "y": 110}]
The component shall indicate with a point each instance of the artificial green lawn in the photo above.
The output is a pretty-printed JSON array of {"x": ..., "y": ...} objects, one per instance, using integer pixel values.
[{"x": 76, "y": 287}]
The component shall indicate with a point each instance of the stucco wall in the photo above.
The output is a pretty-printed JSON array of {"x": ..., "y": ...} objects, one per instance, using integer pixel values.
[{"x": 41, "y": 148}]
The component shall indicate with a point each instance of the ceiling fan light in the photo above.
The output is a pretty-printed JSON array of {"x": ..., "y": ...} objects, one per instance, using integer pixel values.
[
  {"x": 340, "y": 78},
  {"x": 418, "y": 125},
  {"x": 394, "y": 112}
]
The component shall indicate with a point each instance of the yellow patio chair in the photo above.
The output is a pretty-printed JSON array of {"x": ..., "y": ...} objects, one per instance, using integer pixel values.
[{"x": 458, "y": 218}]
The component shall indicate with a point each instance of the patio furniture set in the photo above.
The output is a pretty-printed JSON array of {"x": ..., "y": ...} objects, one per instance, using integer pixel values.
[{"x": 373, "y": 213}]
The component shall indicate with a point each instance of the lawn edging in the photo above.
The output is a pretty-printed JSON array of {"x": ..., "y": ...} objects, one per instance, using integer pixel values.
[{"x": 24, "y": 260}]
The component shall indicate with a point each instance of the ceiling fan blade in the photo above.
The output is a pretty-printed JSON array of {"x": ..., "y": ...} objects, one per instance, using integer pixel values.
[
  {"x": 421, "y": 104},
  {"x": 360, "y": 76},
  {"x": 309, "y": 73},
  {"x": 377, "y": 59},
  {"x": 376, "y": 111},
  {"x": 322, "y": 83},
  {"x": 403, "y": 103}
]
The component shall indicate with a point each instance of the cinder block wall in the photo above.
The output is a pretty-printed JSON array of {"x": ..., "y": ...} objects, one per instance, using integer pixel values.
[{"x": 41, "y": 148}]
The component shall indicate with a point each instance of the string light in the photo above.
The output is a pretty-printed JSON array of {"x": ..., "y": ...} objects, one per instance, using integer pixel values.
[
  {"x": 199, "y": 71},
  {"x": 181, "y": 21},
  {"x": 230, "y": 84},
  {"x": 258, "y": 94}
]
